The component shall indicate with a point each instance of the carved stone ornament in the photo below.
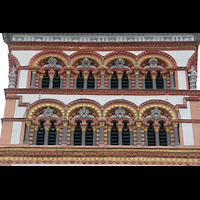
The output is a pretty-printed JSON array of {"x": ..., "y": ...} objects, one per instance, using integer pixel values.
[
  {"x": 12, "y": 78},
  {"x": 52, "y": 62},
  {"x": 120, "y": 112},
  {"x": 119, "y": 63},
  {"x": 192, "y": 78},
  {"x": 48, "y": 112},
  {"x": 86, "y": 62},
  {"x": 84, "y": 112},
  {"x": 153, "y": 63},
  {"x": 156, "y": 113}
]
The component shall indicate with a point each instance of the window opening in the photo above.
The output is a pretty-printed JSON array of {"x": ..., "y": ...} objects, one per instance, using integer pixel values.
[
  {"x": 56, "y": 80},
  {"x": 114, "y": 81},
  {"x": 124, "y": 81},
  {"x": 148, "y": 81},
  {"x": 162, "y": 135},
  {"x": 77, "y": 134},
  {"x": 125, "y": 135},
  {"x": 151, "y": 135},
  {"x": 114, "y": 134},
  {"x": 45, "y": 80},
  {"x": 40, "y": 134},
  {"x": 159, "y": 81},
  {"x": 89, "y": 135},
  {"x": 80, "y": 81},
  {"x": 52, "y": 134},
  {"x": 90, "y": 81}
]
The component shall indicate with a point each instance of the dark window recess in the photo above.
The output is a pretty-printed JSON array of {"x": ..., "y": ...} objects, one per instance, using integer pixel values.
[
  {"x": 159, "y": 81},
  {"x": 124, "y": 81},
  {"x": 89, "y": 135},
  {"x": 90, "y": 81},
  {"x": 56, "y": 81},
  {"x": 80, "y": 81},
  {"x": 114, "y": 134},
  {"x": 52, "y": 134},
  {"x": 125, "y": 135},
  {"x": 114, "y": 81},
  {"x": 40, "y": 134},
  {"x": 45, "y": 80},
  {"x": 148, "y": 81},
  {"x": 162, "y": 135},
  {"x": 151, "y": 135},
  {"x": 77, "y": 134}
]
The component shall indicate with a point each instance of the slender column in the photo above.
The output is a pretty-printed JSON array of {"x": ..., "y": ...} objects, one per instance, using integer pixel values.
[
  {"x": 131, "y": 134},
  {"x": 46, "y": 136},
  {"x": 171, "y": 72},
  {"x": 51, "y": 77},
  {"x": 64, "y": 137},
  {"x": 130, "y": 81},
  {"x": 120, "y": 128},
  {"x": 61, "y": 81},
  {"x": 137, "y": 79},
  {"x": 75, "y": 81},
  {"x": 35, "y": 134},
  {"x": 143, "y": 81},
  {"x": 167, "y": 129},
  {"x": 83, "y": 129},
  {"x": 101, "y": 141},
  {"x": 94, "y": 135},
  {"x": 40, "y": 80},
  {"x": 176, "y": 136},
  {"x": 164, "y": 81},
  {"x": 72, "y": 135},
  {"x": 156, "y": 129},
  {"x": 119, "y": 76},
  {"x": 95, "y": 81},
  {"x": 153, "y": 76},
  {"x": 138, "y": 125},
  {"x": 57, "y": 134},
  {"x": 26, "y": 139},
  {"x": 109, "y": 135},
  {"x": 109, "y": 80},
  {"x": 34, "y": 71},
  {"x": 102, "y": 79},
  {"x": 68, "y": 72},
  {"x": 85, "y": 76},
  {"x": 145, "y": 136}
]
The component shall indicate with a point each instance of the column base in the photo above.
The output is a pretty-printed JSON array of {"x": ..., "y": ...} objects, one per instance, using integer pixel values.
[
  {"x": 139, "y": 143},
  {"x": 67, "y": 87},
  {"x": 63, "y": 142},
  {"x": 177, "y": 143},
  {"x": 137, "y": 87},
  {"x": 102, "y": 87},
  {"x": 26, "y": 142},
  {"x": 32, "y": 86}
]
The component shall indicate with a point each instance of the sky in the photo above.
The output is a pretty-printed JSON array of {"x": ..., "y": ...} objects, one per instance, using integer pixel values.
[{"x": 4, "y": 74}]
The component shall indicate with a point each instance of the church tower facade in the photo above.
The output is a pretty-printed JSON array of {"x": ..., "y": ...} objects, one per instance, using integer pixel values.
[{"x": 101, "y": 98}]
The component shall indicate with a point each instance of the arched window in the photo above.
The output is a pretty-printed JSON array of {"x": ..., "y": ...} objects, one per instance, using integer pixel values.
[
  {"x": 56, "y": 80},
  {"x": 52, "y": 134},
  {"x": 80, "y": 81},
  {"x": 125, "y": 135},
  {"x": 45, "y": 81},
  {"x": 89, "y": 135},
  {"x": 148, "y": 81},
  {"x": 40, "y": 134},
  {"x": 114, "y": 81},
  {"x": 78, "y": 134},
  {"x": 90, "y": 81},
  {"x": 151, "y": 135},
  {"x": 162, "y": 135},
  {"x": 114, "y": 134},
  {"x": 159, "y": 81},
  {"x": 124, "y": 81}
]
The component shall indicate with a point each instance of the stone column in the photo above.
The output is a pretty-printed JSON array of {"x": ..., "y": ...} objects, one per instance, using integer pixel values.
[
  {"x": 34, "y": 71},
  {"x": 138, "y": 125},
  {"x": 120, "y": 128},
  {"x": 72, "y": 135},
  {"x": 102, "y": 71},
  {"x": 145, "y": 136},
  {"x": 164, "y": 76},
  {"x": 26, "y": 139},
  {"x": 75, "y": 81},
  {"x": 85, "y": 76},
  {"x": 51, "y": 77},
  {"x": 167, "y": 129},
  {"x": 94, "y": 128},
  {"x": 137, "y": 79},
  {"x": 35, "y": 134},
  {"x": 57, "y": 134},
  {"x": 40, "y": 80},
  {"x": 153, "y": 76},
  {"x": 83, "y": 129},
  {"x": 176, "y": 135},
  {"x": 61, "y": 80},
  {"x": 68, "y": 72},
  {"x": 156, "y": 129},
  {"x": 143, "y": 81},
  {"x": 109, "y": 135},
  {"x": 46, "y": 136},
  {"x": 171, "y": 72},
  {"x": 64, "y": 137},
  {"x": 101, "y": 124},
  {"x": 130, "y": 81},
  {"x": 109, "y": 80},
  {"x": 131, "y": 134},
  {"x": 95, "y": 81},
  {"x": 119, "y": 76}
]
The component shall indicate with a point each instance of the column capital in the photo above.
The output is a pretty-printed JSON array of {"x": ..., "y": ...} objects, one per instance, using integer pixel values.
[
  {"x": 175, "y": 124},
  {"x": 138, "y": 124},
  {"x": 34, "y": 71},
  {"x": 156, "y": 128},
  {"x": 130, "y": 128},
  {"x": 95, "y": 76},
  {"x": 129, "y": 76},
  {"x": 102, "y": 71},
  {"x": 83, "y": 128},
  {"x": 102, "y": 124},
  {"x": 51, "y": 75},
  {"x": 153, "y": 76},
  {"x": 65, "y": 123},
  {"x": 61, "y": 76},
  {"x": 109, "y": 128},
  {"x": 137, "y": 71},
  {"x": 171, "y": 71},
  {"x": 41, "y": 75},
  {"x": 109, "y": 76},
  {"x": 146, "y": 128},
  {"x": 28, "y": 123},
  {"x": 75, "y": 76},
  {"x": 164, "y": 76},
  {"x": 46, "y": 128},
  {"x": 72, "y": 128},
  {"x": 68, "y": 71},
  {"x": 57, "y": 128},
  {"x": 167, "y": 128},
  {"x": 143, "y": 76},
  {"x": 85, "y": 76},
  {"x": 119, "y": 76},
  {"x": 36, "y": 127},
  {"x": 120, "y": 128}
]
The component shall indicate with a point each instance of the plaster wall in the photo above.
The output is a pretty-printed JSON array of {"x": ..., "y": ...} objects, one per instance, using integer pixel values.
[
  {"x": 182, "y": 80},
  {"x": 16, "y": 132},
  {"x": 23, "y": 78},
  {"x": 188, "y": 137}
]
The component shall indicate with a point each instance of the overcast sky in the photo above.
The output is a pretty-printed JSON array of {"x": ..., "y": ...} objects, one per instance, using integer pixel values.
[{"x": 4, "y": 74}]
